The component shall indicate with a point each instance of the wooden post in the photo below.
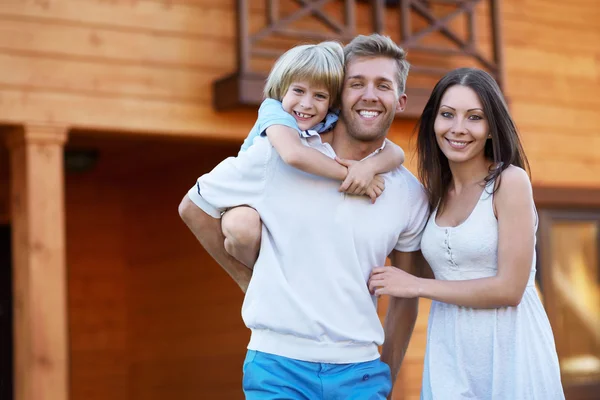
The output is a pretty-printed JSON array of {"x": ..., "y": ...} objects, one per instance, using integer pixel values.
[{"x": 39, "y": 276}]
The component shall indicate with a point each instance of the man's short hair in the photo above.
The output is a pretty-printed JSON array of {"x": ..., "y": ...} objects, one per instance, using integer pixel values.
[
  {"x": 377, "y": 45},
  {"x": 320, "y": 64}
]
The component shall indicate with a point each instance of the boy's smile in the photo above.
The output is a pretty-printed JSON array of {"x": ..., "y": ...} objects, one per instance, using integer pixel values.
[{"x": 307, "y": 103}]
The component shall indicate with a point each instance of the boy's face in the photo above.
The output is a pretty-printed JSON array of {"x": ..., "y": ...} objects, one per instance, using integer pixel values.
[
  {"x": 370, "y": 97},
  {"x": 307, "y": 103}
]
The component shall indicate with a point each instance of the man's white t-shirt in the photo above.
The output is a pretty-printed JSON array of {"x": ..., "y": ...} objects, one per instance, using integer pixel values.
[{"x": 308, "y": 297}]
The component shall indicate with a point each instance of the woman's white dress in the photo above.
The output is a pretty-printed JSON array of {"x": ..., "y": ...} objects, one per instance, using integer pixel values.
[{"x": 484, "y": 354}]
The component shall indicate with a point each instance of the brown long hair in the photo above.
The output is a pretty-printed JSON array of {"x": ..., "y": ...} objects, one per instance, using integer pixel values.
[{"x": 503, "y": 149}]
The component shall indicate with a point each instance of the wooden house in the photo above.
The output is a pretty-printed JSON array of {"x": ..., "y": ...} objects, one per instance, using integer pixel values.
[{"x": 110, "y": 109}]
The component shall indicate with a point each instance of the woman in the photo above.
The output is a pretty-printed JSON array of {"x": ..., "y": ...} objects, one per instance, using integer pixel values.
[{"x": 488, "y": 335}]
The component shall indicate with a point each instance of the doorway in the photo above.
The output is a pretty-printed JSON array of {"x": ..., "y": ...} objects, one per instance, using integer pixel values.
[{"x": 6, "y": 315}]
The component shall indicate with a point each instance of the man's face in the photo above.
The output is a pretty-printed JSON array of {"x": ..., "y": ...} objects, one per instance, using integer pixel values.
[{"x": 370, "y": 97}]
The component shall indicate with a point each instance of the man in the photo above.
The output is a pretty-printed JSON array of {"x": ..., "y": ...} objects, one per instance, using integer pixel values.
[{"x": 315, "y": 329}]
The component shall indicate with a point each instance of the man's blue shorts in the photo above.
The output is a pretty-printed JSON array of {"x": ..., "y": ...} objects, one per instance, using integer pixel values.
[{"x": 270, "y": 377}]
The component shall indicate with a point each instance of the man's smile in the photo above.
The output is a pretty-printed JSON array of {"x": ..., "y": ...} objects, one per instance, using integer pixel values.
[{"x": 369, "y": 114}]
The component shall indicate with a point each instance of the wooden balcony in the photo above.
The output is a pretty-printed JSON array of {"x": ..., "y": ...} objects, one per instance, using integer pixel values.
[{"x": 439, "y": 35}]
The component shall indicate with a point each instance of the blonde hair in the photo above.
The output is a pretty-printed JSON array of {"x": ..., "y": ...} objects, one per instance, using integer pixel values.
[
  {"x": 377, "y": 45},
  {"x": 320, "y": 64}
]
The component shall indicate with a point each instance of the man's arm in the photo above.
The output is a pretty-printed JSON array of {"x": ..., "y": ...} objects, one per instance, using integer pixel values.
[
  {"x": 208, "y": 232},
  {"x": 235, "y": 181},
  {"x": 401, "y": 315}
]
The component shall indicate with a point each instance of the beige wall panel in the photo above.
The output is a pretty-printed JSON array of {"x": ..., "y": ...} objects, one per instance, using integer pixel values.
[
  {"x": 544, "y": 88},
  {"x": 213, "y": 19},
  {"x": 125, "y": 114},
  {"x": 572, "y": 13},
  {"x": 184, "y": 18},
  {"x": 151, "y": 316},
  {"x": 524, "y": 31},
  {"x": 92, "y": 79},
  {"x": 548, "y": 117},
  {"x": 532, "y": 59},
  {"x": 112, "y": 46}
]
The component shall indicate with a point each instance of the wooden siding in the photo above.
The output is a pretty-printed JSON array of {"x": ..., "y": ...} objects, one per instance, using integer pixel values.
[
  {"x": 147, "y": 66},
  {"x": 151, "y": 316}
]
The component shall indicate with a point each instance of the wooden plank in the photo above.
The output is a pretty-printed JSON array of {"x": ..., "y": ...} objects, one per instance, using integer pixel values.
[
  {"x": 413, "y": 377},
  {"x": 555, "y": 118},
  {"x": 559, "y": 13},
  {"x": 191, "y": 18},
  {"x": 106, "y": 46},
  {"x": 416, "y": 347},
  {"x": 184, "y": 18},
  {"x": 30, "y": 72},
  {"x": 569, "y": 143},
  {"x": 578, "y": 197},
  {"x": 550, "y": 169},
  {"x": 37, "y": 199},
  {"x": 532, "y": 59},
  {"x": 122, "y": 114},
  {"x": 102, "y": 44},
  {"x": 546, "y": 87},
  {"x": 172, "y": 346},
  {"x": 209, "y": 18},
  {"x": 99, "y": 335},
  {"x": 545, "y": 35}
]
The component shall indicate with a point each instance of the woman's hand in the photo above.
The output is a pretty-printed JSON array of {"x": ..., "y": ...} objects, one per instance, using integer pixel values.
[{"x": 394, "y": 282}]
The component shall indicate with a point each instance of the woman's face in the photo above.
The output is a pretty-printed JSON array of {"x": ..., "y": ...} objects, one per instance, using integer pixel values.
[{"x": 461, "y": 128}]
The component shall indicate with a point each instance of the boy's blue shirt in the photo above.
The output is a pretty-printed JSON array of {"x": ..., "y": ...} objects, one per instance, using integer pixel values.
[{"x": 271, "y": 112}]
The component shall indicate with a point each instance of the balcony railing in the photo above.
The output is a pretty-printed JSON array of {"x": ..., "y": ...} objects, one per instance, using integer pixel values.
[{"x": 439, "y": 35}]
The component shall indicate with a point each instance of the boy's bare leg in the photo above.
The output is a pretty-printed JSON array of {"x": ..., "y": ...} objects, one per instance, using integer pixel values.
[{"x": 242, "y": 230}]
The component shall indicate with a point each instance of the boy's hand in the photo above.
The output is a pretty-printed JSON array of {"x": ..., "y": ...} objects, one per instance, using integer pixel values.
[
  {"x": 375, "y": 188},
  {"x": 361, "y": 180}
]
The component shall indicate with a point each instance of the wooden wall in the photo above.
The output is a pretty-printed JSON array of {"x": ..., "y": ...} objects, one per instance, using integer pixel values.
[
  {"x": 553, "y": 73},
  {"x": 151, "y": 316},
  {"x": 147, "y": 66}
]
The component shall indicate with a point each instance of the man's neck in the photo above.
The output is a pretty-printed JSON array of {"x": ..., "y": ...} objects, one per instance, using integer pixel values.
[{"x": 349, "y": 148}]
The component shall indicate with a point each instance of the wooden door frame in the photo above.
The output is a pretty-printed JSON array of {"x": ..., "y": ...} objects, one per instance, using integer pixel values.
[{"x": 564, "y": 197}]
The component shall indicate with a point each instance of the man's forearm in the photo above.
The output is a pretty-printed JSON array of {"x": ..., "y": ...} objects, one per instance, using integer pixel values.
[
  {"x": 208, "y": 232},
  {"x": 399, "y": 324}
]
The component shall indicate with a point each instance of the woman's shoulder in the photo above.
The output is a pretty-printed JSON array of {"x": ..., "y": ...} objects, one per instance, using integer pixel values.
[
  {"x": 514, "y": 178},
  {"x": 514, "y": 185}
]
